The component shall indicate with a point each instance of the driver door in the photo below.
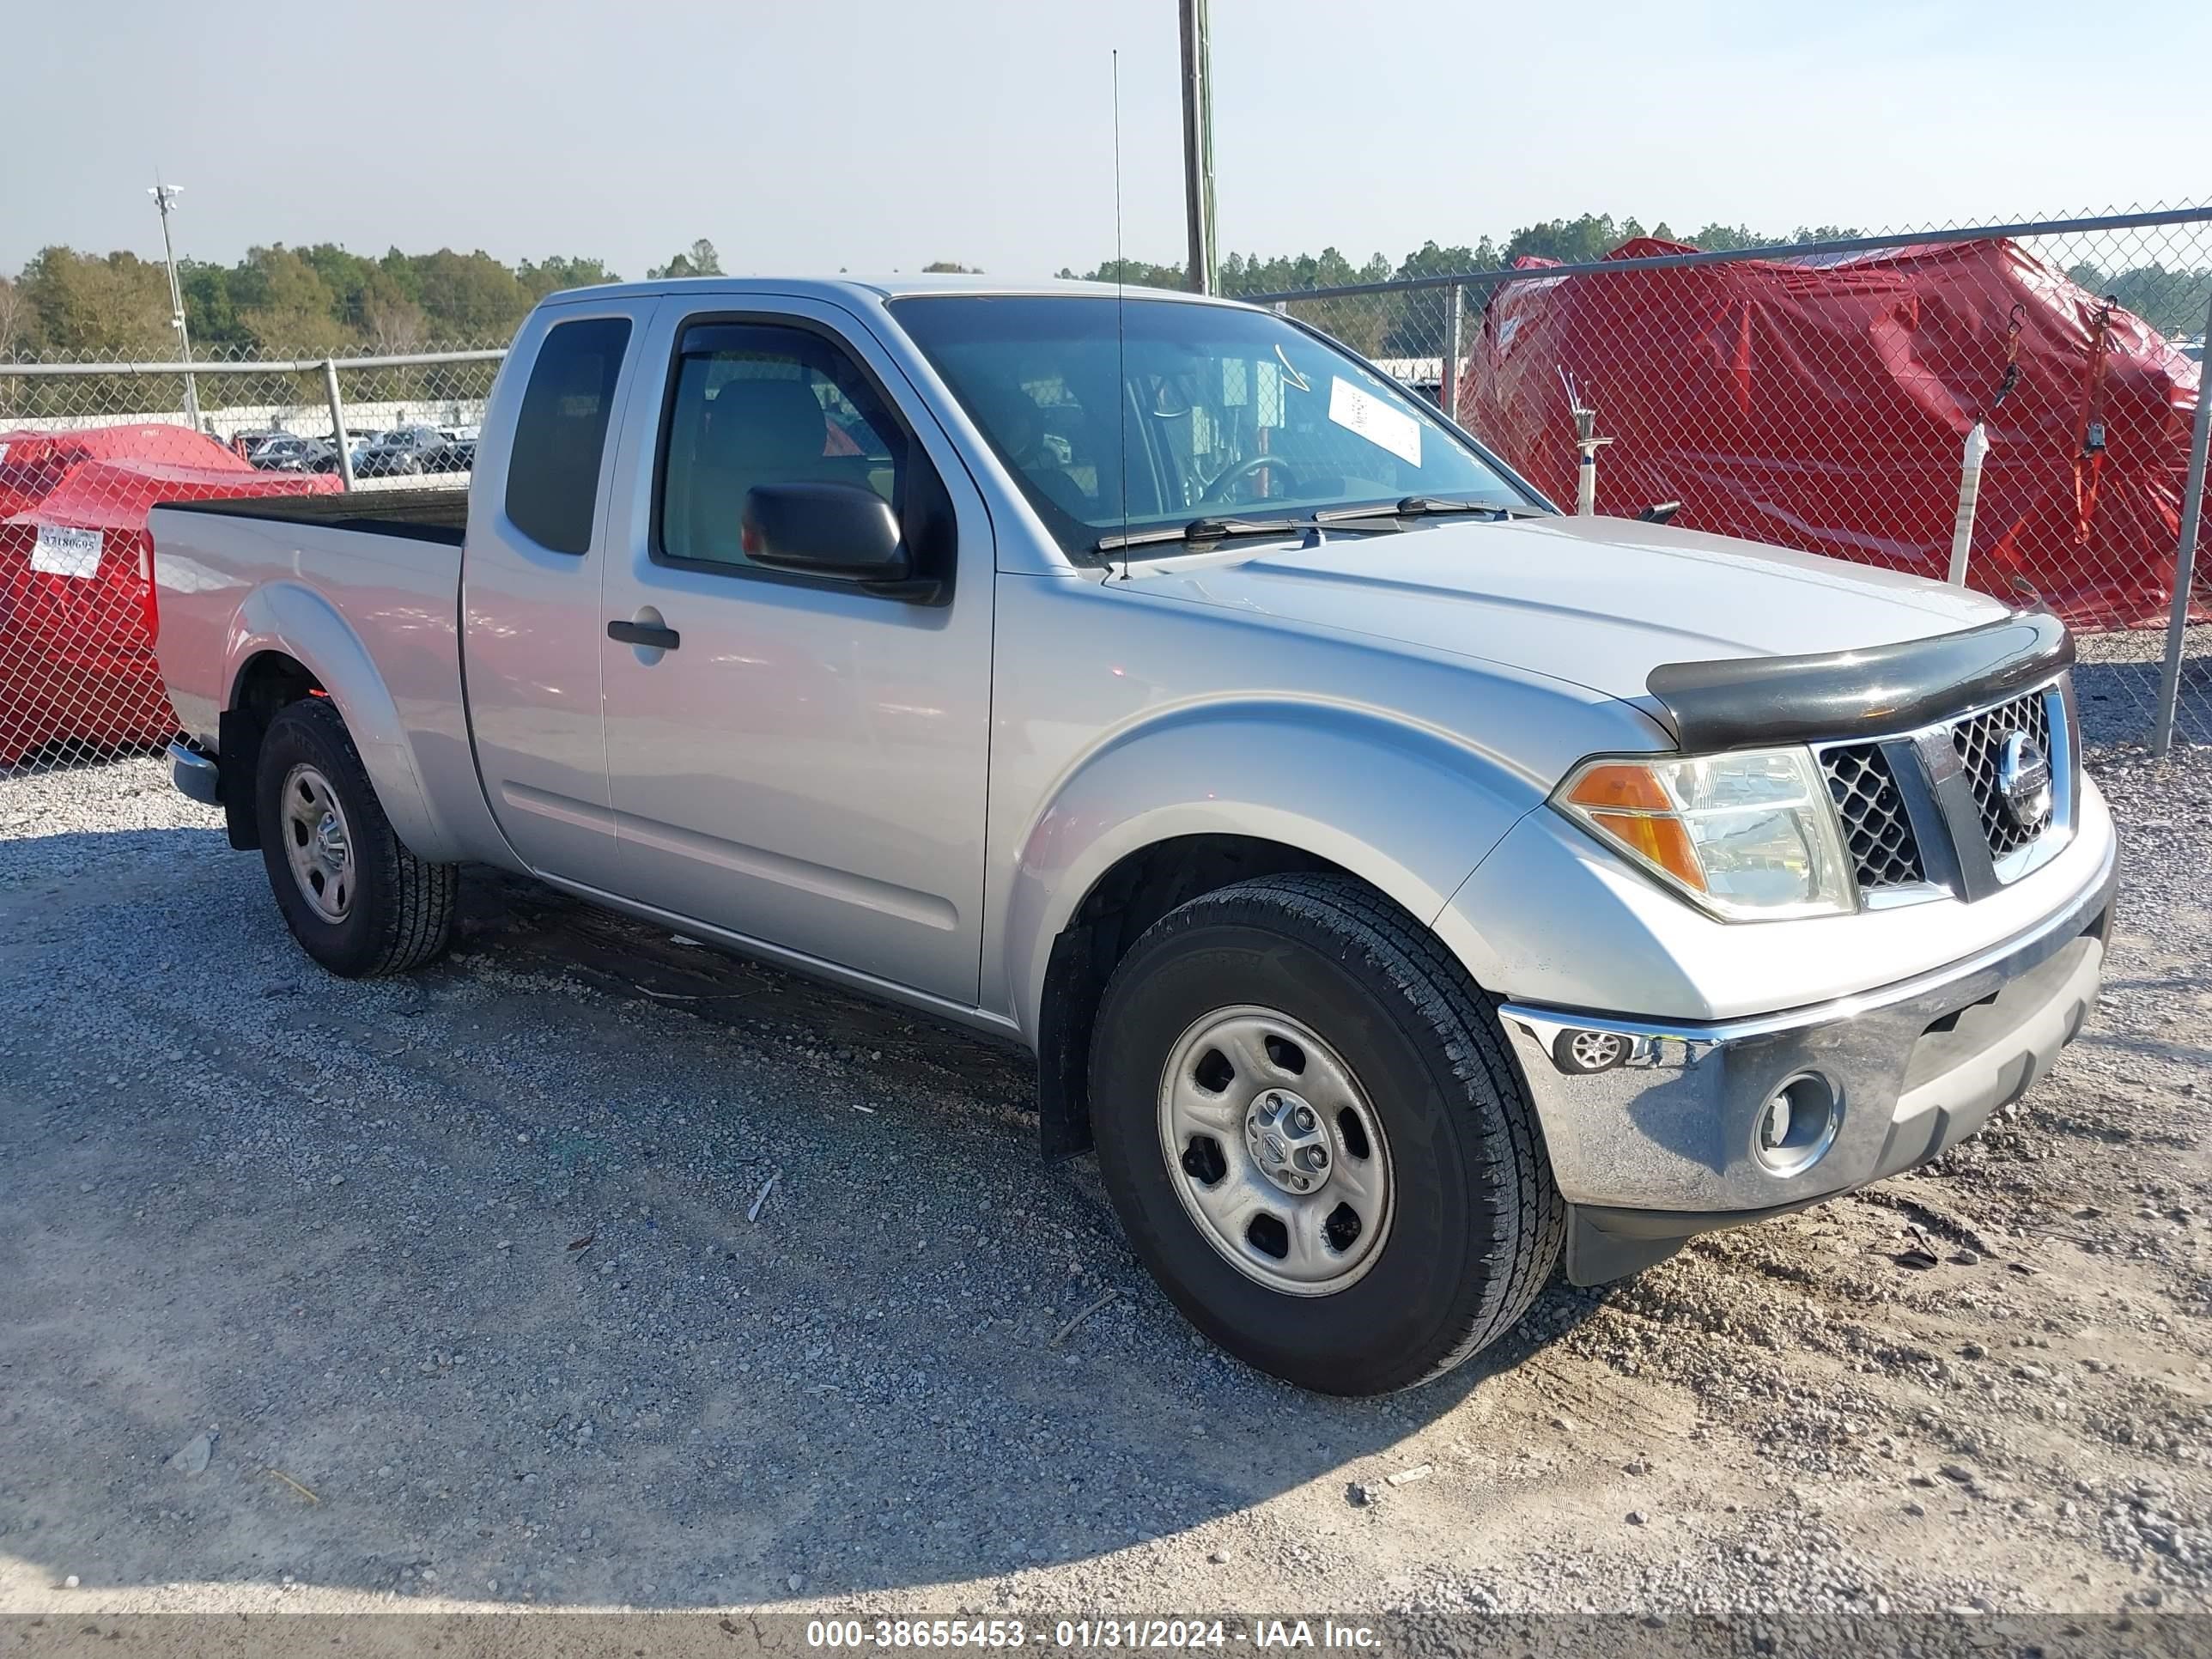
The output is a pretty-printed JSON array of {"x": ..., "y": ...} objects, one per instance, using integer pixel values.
[{"x": 805, "y": 765}]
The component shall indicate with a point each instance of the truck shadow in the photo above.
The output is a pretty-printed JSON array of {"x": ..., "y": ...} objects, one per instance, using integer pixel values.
[
  {"x": 469, "y": 1258},
  {"x": 2117, "y": 699}
]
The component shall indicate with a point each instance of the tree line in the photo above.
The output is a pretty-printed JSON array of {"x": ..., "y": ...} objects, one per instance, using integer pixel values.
[
  {"x": 309, "y": 301},
  {"x": 1569, "y": 242},
  {"x": 323, "y": 300},
  {"x": 2172, "y": 299},
  {"x": 1412, "y": 324}
]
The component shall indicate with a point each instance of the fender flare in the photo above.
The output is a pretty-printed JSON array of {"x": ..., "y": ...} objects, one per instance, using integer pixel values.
[
  {"x": 1410, "y": 809},
  {"x": 291, "y": 619}
]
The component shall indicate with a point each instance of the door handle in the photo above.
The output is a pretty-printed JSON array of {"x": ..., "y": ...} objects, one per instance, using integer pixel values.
[{"x": 645, "y": 633}]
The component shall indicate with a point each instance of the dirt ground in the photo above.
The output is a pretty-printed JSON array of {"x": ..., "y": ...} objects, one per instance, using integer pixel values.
[{"x": 589, "y": 1270}]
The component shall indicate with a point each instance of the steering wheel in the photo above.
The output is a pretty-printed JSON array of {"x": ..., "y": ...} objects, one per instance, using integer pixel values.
[{"x": 1251, "y": 464}]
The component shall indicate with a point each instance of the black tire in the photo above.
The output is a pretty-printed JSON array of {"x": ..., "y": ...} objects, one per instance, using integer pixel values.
[
  {"x": 1477, "y": 1225},
  {"x": 399, "y": 912}
]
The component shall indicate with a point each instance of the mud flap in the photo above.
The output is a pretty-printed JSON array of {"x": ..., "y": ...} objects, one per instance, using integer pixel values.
[
  {"x": 1596, "y": 1256},
  {"x": 1064, "y": 1021}
]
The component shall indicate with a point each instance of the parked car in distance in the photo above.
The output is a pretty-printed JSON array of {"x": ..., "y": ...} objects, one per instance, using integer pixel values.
[
  {"x": 352, "y": 441},
  {"x": 457, "y": 453},
  {"x": 405, "y": 449},
  {"x": 1406, "y": 889},
  {"x": 287, "y": 454}
]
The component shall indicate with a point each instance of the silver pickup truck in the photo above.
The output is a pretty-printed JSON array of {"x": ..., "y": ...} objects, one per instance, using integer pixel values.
[{"x": 1404, "y": 887}]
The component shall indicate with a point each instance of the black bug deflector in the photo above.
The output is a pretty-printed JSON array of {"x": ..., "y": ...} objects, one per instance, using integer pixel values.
[{"x": 1885, "y": 689}]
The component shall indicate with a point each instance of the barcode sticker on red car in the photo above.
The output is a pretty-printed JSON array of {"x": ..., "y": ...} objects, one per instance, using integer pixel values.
[
  {"x": 60, "y": 552},
  {"x": 1375, "y": 420}
]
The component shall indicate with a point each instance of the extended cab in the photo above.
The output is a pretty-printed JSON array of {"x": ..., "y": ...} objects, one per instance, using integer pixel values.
[{"x": 1402, "y": 885}]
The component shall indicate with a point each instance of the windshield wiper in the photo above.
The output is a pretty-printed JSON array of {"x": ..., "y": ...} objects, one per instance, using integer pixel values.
[
  {"x": 1201, "y": 530},
  {"x": 1215, "y": 530},
  {"x": 1420, "y": 506}
]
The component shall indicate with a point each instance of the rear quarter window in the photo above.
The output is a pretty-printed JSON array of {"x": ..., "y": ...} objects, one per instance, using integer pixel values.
[{"x": 560, "y": 436}]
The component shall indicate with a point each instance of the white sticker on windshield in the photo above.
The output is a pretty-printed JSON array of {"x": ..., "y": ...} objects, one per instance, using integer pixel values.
[
  {"x": 1375, "y": 421},
  {"x": 59, "y": 552}
]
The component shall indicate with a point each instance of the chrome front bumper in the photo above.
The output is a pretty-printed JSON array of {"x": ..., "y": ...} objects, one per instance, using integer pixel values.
[{"x": 1666, "y": 1143}]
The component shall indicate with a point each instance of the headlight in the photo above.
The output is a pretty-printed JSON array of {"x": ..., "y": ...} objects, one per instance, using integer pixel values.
[{"x": 1750, "y": 837}]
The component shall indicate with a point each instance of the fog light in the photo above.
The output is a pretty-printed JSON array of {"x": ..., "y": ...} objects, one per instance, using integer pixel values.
[{"x": 1798, "y": 1124}]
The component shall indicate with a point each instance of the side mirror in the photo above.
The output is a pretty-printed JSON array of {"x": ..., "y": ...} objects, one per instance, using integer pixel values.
[
  {"x": 838, "y": 531},
  {"x": 1659, "y": 513}
]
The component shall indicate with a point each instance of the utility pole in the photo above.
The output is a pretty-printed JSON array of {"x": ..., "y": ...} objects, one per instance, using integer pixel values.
[
  {"x": 1198, "y": 141},
  {"x": 165, "y": 197}
]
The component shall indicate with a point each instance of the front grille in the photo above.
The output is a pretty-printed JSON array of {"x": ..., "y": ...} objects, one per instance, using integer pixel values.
[
  {"x": 1979, "y": 741},
  {"x": 1877, "y": 833}
]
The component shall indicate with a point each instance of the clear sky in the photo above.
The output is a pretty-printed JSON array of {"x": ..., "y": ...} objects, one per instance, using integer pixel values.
[{"x": 874, "y": 135}]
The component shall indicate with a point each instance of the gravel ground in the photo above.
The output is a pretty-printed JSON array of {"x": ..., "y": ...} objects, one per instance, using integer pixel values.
[
  {"x": 448, "y": 1292},
  {"x": 2118, "y": 677}
]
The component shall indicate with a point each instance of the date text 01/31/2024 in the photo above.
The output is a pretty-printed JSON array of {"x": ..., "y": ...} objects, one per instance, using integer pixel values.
[{"x": 1086, "y": 1633}]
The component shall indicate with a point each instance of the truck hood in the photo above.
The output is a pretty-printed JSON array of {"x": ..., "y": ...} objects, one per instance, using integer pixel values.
[{"x": 1598, "y": 602}]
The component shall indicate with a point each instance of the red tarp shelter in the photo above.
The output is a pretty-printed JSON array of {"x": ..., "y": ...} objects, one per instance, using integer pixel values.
[
  {"x": 1824, "y": 405},
  {"x": 77, "y": 657}
]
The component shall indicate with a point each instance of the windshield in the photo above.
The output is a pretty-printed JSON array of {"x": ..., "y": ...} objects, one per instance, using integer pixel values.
[{"x": 1226, "y": 412}]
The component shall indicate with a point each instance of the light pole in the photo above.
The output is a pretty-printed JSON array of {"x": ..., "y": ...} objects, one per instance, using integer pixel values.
[
  {"x": 165, "y": 197},
  {"x": 1198, "y": 141}
]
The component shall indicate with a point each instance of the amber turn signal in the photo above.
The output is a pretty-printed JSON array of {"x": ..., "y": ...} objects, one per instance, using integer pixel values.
[
  {"x": 1662, "y": 841},
  {"x": 1620, "y": 787}
]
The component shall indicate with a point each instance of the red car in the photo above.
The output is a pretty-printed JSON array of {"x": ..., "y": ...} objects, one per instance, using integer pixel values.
[{"x": 76, "y": 614}]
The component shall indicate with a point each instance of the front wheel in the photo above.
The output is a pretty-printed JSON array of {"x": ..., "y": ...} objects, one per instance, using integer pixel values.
[
  {"x": 1309, "y": 1124},
  {"x": 357, "y": 900}
]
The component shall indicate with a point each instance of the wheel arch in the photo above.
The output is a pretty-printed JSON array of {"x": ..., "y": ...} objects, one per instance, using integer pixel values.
[
  {"x": 265, "y": 683},
  {"x": 1127, "y": 899},
  {"x": 290, "y": 641},
  {"x": 1406, "y": 810}
]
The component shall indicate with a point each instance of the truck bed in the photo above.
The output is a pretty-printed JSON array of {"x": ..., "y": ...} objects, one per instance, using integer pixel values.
[
  {"x": 428, "y": 515},
  {"x": 375, "y": 575}
]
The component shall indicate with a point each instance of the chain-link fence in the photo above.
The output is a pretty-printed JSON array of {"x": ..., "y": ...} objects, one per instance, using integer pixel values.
[
  {"x": 2011, "y": 406},
  {"x": 87, "y": 447},
  {"x": 2015, "y": 406},
  {"x": 276, "y": 414}
]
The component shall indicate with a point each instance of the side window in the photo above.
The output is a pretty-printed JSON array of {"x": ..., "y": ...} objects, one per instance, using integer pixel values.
[
  {"x": 553, "y": 472},
  {"x": 755, "y": 403}
]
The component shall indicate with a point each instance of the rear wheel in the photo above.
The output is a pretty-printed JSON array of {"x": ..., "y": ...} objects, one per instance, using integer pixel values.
[
  {"x": 356, "y": 899},
  {"x": 1308, "y": 1121}
]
